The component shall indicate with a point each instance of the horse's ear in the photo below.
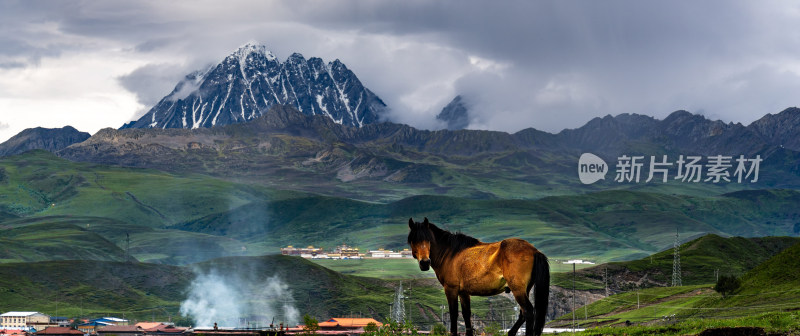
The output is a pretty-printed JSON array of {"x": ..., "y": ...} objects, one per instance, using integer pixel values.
[
  {"x": 426, "y": 222},
  {"x": 411, "y": 223}
]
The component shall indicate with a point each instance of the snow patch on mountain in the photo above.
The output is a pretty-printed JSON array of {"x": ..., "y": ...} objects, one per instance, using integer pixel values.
[{"x": 251, "y": 79}]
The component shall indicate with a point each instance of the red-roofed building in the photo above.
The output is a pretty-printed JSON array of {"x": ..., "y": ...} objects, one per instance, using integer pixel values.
[
  {"x": 120, "y": 330},
  {"x": 165, "y": 330},
  {"x": 339, "y": 326},
  {"x": 59, "y": 331},
  {"x": 12, "y": 332},
  {"x": 347, "y": 323},
  {"x": 148, "y": 325}
]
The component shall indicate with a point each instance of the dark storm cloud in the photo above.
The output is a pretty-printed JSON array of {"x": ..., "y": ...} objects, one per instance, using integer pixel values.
[
  {"x": 545, "y": 64},
  {"x": 151, "y": 82}
]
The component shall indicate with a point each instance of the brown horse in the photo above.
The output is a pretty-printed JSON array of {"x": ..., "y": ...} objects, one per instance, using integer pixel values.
[{"x": 466, "y": 266}]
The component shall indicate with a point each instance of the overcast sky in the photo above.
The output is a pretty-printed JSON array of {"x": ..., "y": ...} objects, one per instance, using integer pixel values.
[{"x": 544, "y": 64}]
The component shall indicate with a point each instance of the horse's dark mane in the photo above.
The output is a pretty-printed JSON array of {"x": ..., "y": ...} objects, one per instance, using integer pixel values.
[
  {"x": 450, "y": 243},
  {"x": 453, "y": 242}
]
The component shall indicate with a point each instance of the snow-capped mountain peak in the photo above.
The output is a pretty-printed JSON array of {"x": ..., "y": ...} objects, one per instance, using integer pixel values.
[
  {"x": 250, "y": 48},
  {"x": 251, "y": 79}
]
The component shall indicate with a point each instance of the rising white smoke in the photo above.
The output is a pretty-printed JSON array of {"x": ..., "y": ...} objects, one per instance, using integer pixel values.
[{"x": 231, "y": 300}]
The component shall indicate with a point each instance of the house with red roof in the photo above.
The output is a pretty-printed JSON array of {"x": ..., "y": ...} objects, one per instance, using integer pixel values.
[
  {"x": 165, "y": 330},
  {"x": 120, "y": 330},
  {"x": 59, "y": 331},
  {"x": 339, "y": 326},
  {"x": 347, "y": 323},
  {"x": 13, "y": 332}
]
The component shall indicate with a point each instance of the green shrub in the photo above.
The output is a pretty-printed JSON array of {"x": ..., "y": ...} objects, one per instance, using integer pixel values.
[
  {"x": 393, "y": 329},
  {"x": 310, "y": 325},
  {"x": 727, "y": 284},
  {"x": 439, "y": 330}
]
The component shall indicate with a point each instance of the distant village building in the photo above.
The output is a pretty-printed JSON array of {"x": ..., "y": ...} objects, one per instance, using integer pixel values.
[
  {"x": 13, "y": 332},
  {"x": 24, "y": 320},
  {"x": 165, "y": 330},
  {"x": 142, "y": 329},
  {"x": 240, "y": 332},
  {"x": 59, "y": 321},
  {"x": 95, "y": 324},
  {"x": 345, "y": 251},
  {"x": 311, "y": 252},
  {"x": 120, "y": 330},
  {"x": 340, "y": 323},
  {"x": 59, "y": 331},
  {"x": 381, "y": 253},
  {"x": 578, "y": 261},
  {"x": 307, "y": 252},
  {"x": 113, "y": 321}
]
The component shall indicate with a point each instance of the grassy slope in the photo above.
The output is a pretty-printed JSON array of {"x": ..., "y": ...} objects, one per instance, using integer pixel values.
[
  {"x": 185, "y": 213},
  {"x": 377, "y": 268},
  {"x": 699, "y": 259},
  {"x": 770, "y": 286},
  {"x": 141, "y": 291},
  {"x": 768, "y": 298},
  {"x": 323, "y": 292},
  {"x": 39, "y": 184},
  {"x": 601, "y": 226},
  {"x": 94, "y": 287},
  {"x": 113, "y": 202},
  {"x": 47, "y": 241}
]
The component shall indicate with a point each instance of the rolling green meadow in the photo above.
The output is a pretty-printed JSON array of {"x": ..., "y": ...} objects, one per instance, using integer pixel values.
[
  {"x": 767, "y": 298},
  {"x": 128, "y": 241}
]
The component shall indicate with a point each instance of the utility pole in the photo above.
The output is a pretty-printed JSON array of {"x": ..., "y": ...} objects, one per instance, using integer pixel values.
[
  {"x": 573, "y": 298},
  {"x": 676, "y": 263},
  {"x": 585, "y": 310},
  {"x": 127, "y": 246}
]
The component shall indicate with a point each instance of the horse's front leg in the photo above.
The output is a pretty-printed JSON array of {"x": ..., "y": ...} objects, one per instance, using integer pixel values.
[
  {"x": 466, "y": 312},
  {"x": 452, "y": 303}
]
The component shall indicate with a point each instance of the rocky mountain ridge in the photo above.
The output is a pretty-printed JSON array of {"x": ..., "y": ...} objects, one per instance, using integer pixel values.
[
  {"x": 251, "y": 79},
  {"x": 285, "y": 144},
  {"x": 50, "y": 139}
]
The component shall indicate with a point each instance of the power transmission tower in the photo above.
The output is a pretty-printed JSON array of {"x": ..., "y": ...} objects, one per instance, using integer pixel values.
[
  {"x": 398, "y": 313},
  {"x": 676, "y": 263},
  {"x": 605, "y": 280}
]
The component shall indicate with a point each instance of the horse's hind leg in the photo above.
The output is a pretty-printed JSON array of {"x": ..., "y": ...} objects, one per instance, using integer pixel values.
[
  {"x": 515, "y": 327},
  {"x": 526, "y": 312}
]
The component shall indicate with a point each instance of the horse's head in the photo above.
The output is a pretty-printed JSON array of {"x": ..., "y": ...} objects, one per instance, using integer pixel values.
[{"x": 420, "y": 238}]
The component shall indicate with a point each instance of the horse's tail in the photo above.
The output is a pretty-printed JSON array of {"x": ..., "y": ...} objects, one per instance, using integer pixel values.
[{"x": 541, "y": 295}]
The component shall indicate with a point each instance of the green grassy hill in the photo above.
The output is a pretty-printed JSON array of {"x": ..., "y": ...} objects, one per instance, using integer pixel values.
[
  {"x": 98, "y": 238},
  {"x": 69, "y": 288},
  {"x": 770, "y": 286},
  {"x": 152, "y": 291},
  {"x": 599, "y": 226},
  {"x": 768, "y": 298},
  {"x": 39, "y": 242},
  {"x": 180, "y": 219},
  {"x": 39, "y": 184},
  {"x": 699, "y": 260}
]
